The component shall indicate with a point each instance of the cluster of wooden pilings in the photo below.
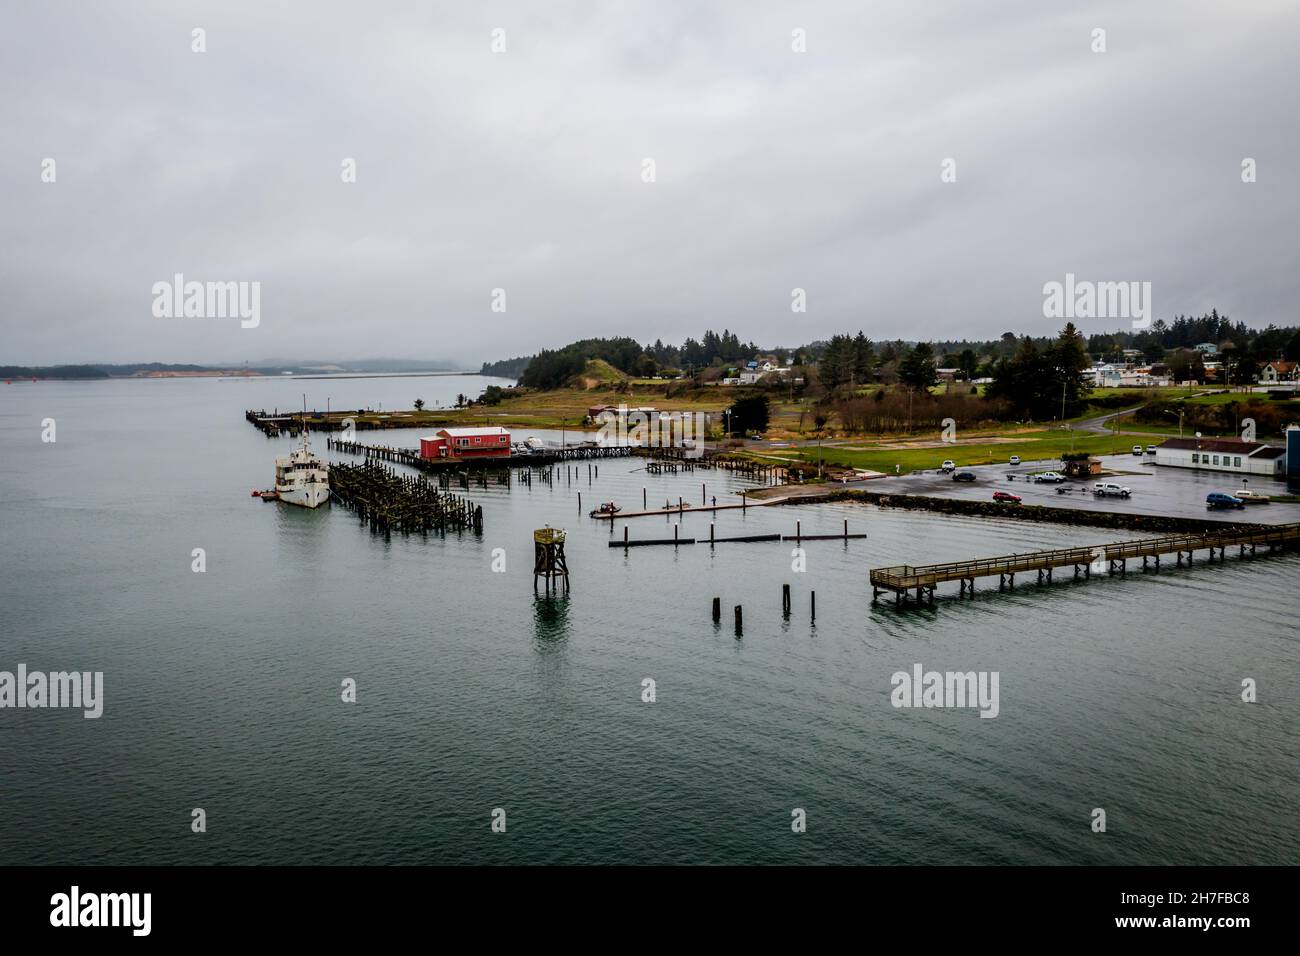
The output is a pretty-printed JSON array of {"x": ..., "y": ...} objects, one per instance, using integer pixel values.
[
  {"x": 739, "y": 612},
  {"x": 408, "y": 504}
]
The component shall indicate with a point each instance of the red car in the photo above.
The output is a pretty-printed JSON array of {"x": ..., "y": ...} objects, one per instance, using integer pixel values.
[{"x": 1006, "y": 496}]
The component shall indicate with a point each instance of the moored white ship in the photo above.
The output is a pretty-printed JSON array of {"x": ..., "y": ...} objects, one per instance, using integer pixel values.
[{"x": 301, "y": 478}]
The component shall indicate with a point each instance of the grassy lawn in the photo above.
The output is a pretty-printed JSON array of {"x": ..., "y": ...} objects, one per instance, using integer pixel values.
[
  {"x": 567, "y": 407},
  {"x": 1030, "y": 446}
]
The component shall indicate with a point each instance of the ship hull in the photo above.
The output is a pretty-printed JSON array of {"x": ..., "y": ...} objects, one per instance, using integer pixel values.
[{"x": 310, "y": 497}]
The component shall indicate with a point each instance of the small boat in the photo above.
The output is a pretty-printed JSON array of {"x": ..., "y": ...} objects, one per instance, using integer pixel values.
[{"x": 608, "y": 508}]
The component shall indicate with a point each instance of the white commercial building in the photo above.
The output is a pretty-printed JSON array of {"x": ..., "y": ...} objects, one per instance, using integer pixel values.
[{"x": 1223, "y": 454}]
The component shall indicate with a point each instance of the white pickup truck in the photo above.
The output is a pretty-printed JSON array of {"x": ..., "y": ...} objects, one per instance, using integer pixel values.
[{"x": 1109, "y": 489}]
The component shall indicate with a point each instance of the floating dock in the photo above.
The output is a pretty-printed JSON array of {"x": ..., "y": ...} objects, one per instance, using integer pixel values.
[
  {"x": 798, "y": 537},
  {"x": 1110, "y": 558},
  {"x": 683, "y": 508}
]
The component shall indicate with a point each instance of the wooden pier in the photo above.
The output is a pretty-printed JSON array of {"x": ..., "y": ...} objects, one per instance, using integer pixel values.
[
  {"x": 1110, "y": 558},
  {"x": 538, "y": 459},
  {"x": 672, "y": 461}
]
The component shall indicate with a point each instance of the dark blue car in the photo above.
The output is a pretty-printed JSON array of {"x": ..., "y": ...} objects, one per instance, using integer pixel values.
[{"x": 1217, "y": 499}]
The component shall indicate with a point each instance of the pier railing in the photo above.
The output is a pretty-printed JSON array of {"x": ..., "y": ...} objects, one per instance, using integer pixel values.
[{"x": 901, "y": 577}]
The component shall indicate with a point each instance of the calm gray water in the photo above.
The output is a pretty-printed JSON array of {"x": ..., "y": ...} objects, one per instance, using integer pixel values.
[{"x": 222, "y": 689}]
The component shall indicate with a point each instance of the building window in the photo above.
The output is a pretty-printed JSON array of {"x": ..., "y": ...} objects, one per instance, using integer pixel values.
[
  {"x": 1196, "y": 459},
  {"x": 478, "y": 441},
  {"x": 1216, "y": 459},
  {"x": 1236, "y": 462}
]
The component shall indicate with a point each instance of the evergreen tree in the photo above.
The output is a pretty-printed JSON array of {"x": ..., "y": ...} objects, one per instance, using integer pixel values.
[
  {"x": 1067, "y": 361},
  {"x": 968, "y": 364},
  {"x": 748, "y": 415},
  {"x": 864, "y": 359},
  {"x": 917, "y": 370}
]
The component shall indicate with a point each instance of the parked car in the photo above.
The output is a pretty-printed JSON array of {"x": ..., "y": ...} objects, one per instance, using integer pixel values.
[
  {"x": 963, "y": 476},
  {"x": 1151, "y": 449},
  {"x": 1050, "y": 477},
  {"x": 1137, "y": 450},
  {"x": 1015, "y": 459},
  {"x": 1251, "y": 497},
  {"x": 947, "y": 466},
  {"x": 1218, "y": 499},
  {"x": 1109, "y": 489},
  {"x": 1006, "y": 496}
]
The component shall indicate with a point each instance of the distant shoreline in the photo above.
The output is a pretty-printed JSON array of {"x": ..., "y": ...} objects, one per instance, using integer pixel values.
[{"x": 225, "y": 374}]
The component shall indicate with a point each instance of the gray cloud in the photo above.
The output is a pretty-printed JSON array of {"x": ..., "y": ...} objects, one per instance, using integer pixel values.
[{"x": 522, "y": 170}]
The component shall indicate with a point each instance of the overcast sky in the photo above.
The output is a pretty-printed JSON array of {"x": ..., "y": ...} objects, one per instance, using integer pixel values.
[{"x": 523, "y": 170}]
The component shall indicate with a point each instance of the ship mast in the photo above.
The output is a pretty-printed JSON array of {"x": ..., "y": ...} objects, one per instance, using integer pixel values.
[{"x": 304, "y": 422}]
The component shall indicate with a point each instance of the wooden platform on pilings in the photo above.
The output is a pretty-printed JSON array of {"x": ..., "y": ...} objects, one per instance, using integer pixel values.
[
  {"x": 676, "y": 460},
  {"x": 1108, "y": 558}
]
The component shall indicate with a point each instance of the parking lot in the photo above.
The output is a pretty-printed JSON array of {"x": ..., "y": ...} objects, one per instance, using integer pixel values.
[{"x": 1175, "y": 492}]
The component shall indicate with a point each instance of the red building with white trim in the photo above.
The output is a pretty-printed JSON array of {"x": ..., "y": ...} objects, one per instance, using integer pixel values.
[{"x": 466, "y": 443}]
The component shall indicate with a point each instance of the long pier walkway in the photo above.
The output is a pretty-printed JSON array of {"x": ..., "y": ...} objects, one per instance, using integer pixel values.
[
  {"x": 538, "y": 459},
  {"x": 1108, "y": 558}
]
